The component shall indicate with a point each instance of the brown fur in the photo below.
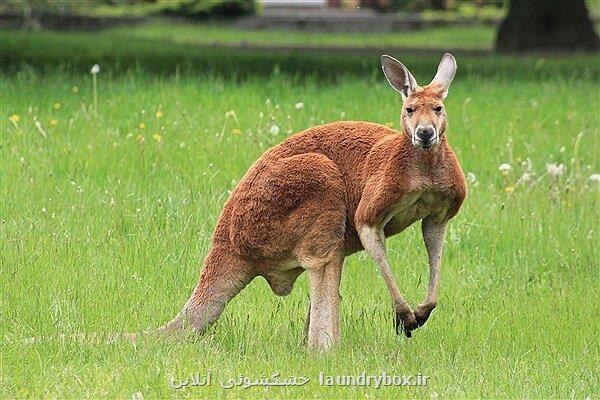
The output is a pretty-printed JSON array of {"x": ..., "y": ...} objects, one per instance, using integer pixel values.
[{"x": 301, "y": 204}]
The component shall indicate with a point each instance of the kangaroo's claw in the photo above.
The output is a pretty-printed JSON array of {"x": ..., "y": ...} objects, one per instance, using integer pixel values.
[
  {"x": 406, "y": 322},
  {"x": 422, "y": 312}
]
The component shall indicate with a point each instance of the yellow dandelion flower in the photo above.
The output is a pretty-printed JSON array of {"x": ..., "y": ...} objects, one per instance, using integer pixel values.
[
  {"x": 157, "y": 137},
  {"x": 56, "y": 106},
  {"x": 53, "y": 122},
  {"x": 390, "y": 124},
  {"x": 509, "y": 189},
  {"x": 140, "y": 138},
  {"x": 75, "y": 89},
  {"x": 236, "y": 131},
  {"x": 159, "y": 114},
  {"x": 14, "y": 118},
  {"x": 142, "y": 125}
]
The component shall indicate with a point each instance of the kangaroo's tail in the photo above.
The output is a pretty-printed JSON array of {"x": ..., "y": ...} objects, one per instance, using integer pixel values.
[
  {"x": 87, "y": 338},
  {"x": 223, "y": 277}
]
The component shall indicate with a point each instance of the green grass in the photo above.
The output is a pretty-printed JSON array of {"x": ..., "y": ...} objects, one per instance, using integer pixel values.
[
  {"x": 476, "y": 37},
  {"x": 110, "y": 237}
]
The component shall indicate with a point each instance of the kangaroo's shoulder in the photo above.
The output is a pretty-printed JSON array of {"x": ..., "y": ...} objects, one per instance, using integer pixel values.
[{"x": 341, "y": 131}]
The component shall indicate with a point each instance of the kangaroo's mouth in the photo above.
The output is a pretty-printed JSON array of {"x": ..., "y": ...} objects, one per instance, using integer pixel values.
[{"x": 425, "y": 144}]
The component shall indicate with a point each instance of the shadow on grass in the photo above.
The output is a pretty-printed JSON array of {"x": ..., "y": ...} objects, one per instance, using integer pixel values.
[{"x": 120, "y": 53}]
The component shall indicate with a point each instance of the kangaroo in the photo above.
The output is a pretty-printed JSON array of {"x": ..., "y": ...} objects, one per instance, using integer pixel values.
[{"x": 328, "y": 192}]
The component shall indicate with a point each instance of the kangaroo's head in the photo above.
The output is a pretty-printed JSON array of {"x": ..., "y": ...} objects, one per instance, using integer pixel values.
[{"x": 423, "y": 113}]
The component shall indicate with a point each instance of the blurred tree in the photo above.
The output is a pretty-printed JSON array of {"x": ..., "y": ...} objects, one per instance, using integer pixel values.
[
  {"x": 209, "y": 8},
  {"x": 546, "y": 24},
  {"x": 439, "y": 4}
]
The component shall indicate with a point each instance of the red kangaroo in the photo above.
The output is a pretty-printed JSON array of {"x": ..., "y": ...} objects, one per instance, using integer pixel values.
[{"x": 328, "y": 192}]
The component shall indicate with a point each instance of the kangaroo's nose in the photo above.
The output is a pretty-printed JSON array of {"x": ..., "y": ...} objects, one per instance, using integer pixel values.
[{"x": 425, "y": 135}]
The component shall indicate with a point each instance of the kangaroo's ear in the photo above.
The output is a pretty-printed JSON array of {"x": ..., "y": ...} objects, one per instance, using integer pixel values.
[
  {"x": 445, "y": 73},
  {"x": 398, "y": 76}
]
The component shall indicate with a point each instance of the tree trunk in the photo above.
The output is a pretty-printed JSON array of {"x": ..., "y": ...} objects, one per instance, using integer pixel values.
[
  {"x": 546, "y": 24},
  {"x": 438, "y": 4}
]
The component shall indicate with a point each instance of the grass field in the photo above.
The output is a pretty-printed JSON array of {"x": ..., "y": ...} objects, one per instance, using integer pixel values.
[
  {"x": 105, "y": 222},
  {"x": 122, "y": 51},
  {"x": 472, "y": 38}
]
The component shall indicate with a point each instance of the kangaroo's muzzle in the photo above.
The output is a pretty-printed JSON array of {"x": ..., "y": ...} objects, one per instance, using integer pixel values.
[{"x": 425, "y": 136}]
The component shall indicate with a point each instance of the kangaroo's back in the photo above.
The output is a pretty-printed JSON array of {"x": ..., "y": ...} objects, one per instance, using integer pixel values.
[{"x": 346, "y": 143}]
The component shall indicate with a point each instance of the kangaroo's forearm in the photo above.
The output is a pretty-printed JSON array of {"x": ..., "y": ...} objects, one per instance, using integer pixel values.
[{"x": 433, "y": 236}]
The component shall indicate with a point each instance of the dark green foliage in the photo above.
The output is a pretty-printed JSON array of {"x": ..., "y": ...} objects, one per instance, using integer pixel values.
[
  {"x": 196, "y": 9},
  {"x": 202, "y": 9},
  {"x": 118, "y": 54}
]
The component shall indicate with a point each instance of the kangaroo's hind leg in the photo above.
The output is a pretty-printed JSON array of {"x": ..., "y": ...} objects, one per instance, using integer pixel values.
[
  {"x": 321, "y": 253},
  {"x": 324, "y": 313},
  {"x": 297, "y": 214}
]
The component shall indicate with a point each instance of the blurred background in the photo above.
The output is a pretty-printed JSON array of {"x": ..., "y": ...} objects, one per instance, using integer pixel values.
[{"x": 143, "y": 31}]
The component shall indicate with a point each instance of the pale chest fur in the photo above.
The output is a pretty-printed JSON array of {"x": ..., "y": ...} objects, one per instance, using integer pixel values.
[{"x": 424, "y": 198}]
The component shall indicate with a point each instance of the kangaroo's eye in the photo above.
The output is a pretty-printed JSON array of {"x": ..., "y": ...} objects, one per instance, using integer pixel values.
[
  {"x": 438, "y": 109},
  {"x": 409, "y": 110}
]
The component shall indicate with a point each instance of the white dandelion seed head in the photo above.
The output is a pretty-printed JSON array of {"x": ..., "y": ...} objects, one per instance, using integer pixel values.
[
  {"x": 595, "y": 178},
  {"x": 555, "y": 170},
  {"x": 274, "y": 130},
  {"x": 505, "y": 167},
  {"x": 95, "y": 69},
  {"x": 527, "y": 177},
  {"x": 471, "y": 177},
  {"x": 299, "y": 106},
  {"x": 137, "y": 395}
]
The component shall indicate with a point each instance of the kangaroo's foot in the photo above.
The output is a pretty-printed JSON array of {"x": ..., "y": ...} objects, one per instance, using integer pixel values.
[
  {"x": 422, "y": 312},
  {"x": 405, "y": 321}
]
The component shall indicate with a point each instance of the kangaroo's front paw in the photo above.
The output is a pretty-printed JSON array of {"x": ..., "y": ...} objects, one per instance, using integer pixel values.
[
  {"x": 405, "y": 321},
  {"x": 422, "y": 312}
]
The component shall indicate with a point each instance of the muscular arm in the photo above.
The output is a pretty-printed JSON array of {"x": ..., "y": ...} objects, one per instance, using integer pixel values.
[
  {"x": 370, "y": 218},
  {"x": 433, "y": 230}
]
